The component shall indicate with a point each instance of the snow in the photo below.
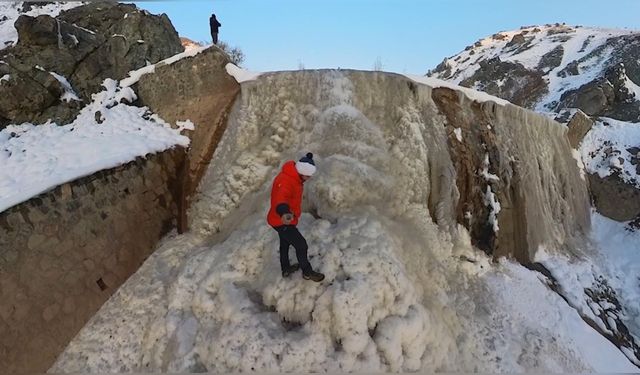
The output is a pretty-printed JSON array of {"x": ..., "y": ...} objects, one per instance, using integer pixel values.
[
  {"x": 187, "y": 124},
  {"x": 632, "y": 87},
  {"x": 35, "y": 159},
  {"x": 240, "y": 74},
  {"x": 84, "y": 29},
  {"x": 485, "y": 170},
  {"x": 458, "y": 133},
  {"x": 617, "y": 259},
  {"x": 74, "y": 38},
  {"x": 68, "y": 94},
  {"x": 470, "y": 93},
  {"x": 490, "y": 200},
  {"x": 9, "y": 34},
  {"x": 578, "y": 158},
  {"x": 605, "y": 149},
  {"x": 519, "y": 292},
  {"x": 134, "y": 75}
]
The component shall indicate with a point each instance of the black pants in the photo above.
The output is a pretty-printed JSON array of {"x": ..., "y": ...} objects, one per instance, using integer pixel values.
[
  {"x": 214, "y": 36},
  {"x": 290, "y": 235}
]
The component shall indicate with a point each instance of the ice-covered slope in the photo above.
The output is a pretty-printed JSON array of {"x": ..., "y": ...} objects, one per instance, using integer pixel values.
[{"x": 405, "y": 289}]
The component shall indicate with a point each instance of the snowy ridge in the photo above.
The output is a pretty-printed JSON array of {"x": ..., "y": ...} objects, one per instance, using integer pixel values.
[
  {"x": 135, "y": 75},
  {"x": 476, "y": 95},
  {"x": 577, "y": 44}
]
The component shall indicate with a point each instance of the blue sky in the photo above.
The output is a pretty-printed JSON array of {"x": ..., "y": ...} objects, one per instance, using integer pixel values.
[{"x": 406, "y": 36}]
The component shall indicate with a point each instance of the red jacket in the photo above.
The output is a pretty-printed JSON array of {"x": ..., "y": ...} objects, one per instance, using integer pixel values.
[{"x": 287, "y": 189}]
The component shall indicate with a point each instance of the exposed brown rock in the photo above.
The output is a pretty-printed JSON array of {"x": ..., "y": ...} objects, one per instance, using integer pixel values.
[
  {"x": 615, "y": 198},
  {"x": 592, "y": 98},
  {"x": 579, "y": 126},
  {"x": 467, "y": 156},
  {"x": 197, "y": 89},
  {"x": 509, "y": 81},
  {"x": 535, "y": 194},
  {"x": 516, "y": 40},
  {"x": 56, "y": 247}
]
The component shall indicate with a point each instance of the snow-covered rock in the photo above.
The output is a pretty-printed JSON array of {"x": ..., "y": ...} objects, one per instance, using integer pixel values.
[{"x": 83, "y": 45}]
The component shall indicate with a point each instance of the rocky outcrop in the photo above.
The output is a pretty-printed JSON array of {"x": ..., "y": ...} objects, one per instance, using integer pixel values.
[
  {"x": 83, "y": 46},
  {"x": 578, "y": 126},
  {"x": 606, "y": 96},
  {"x": 594, "y": 98},
  {"x": 509, "y": 81},
  {"x": 65, "y": 252},
  {"x": 196, "y": 89},
  {"x": 551, "y": 59},
  {"x": 615, "y": 198}
]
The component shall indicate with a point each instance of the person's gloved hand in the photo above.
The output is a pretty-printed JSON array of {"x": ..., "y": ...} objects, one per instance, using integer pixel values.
[{"x": 287, "y": 218}]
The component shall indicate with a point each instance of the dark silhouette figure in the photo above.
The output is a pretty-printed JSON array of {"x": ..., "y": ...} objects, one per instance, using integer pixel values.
[{"x": 214, "y": 24}]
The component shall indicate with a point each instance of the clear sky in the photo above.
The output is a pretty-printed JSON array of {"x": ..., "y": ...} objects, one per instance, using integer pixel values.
[{"x": 405, "y": 36}]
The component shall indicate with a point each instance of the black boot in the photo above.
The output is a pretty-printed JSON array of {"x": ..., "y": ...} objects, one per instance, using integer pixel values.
[
  {"x": 291, "y": 269},
  {"x": 313, "y": 275}
]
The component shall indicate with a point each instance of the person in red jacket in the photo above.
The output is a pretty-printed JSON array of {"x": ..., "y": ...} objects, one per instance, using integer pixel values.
[{"x": 286, "y": 207}]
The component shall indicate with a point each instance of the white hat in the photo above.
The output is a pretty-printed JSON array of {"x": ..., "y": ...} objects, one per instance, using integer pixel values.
[{"x": 306, "y": 166}]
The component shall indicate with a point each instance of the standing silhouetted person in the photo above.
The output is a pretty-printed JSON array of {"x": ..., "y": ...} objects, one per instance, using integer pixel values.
[{"x": 214, "y": 24}]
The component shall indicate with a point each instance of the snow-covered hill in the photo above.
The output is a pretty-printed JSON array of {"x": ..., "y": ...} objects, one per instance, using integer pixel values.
[{"x": 539, "y": 67}]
